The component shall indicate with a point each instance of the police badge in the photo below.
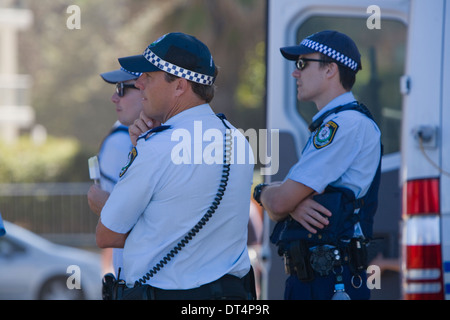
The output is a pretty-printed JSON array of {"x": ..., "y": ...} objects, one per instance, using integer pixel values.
[
  {"x": 131, "y": 156},
  {"x": 325, "y": 134}
]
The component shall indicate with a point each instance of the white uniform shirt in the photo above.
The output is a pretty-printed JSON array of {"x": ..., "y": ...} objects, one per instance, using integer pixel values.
[
  {"x": 159, "y": 200},
  {"x": 112, "y": 158},
  {"x": 345, "y": 153},
  {"x": 113, "y": 155}
]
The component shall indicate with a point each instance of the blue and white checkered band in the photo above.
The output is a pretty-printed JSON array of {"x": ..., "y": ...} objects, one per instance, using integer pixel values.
[
  {"x": 350, "y": 63},
  {"x": 137, "y": 74},
  {"x": 177, "y": 71}
]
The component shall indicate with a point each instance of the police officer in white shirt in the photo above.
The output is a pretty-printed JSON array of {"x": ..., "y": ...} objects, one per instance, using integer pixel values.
[
  {"x": 341, "y": 162},
  {"x": 181, "y": 206},
  {"x": 115, "y": 147}
]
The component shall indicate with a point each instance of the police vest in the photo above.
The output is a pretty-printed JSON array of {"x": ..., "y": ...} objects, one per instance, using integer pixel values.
[{"x": 346, "y": 209}]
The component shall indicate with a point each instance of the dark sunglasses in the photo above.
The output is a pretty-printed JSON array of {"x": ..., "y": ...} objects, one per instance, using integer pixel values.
[
  {"x": 302, "y": 62},
  {"x": 120, "y": 88}
]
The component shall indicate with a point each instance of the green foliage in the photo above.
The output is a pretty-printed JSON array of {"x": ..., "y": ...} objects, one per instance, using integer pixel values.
[
  {"x": 251, "y": 90},
  {"x": 72, "y": 101},
  {"x": 25, "y": 161},
  {"x": 68, "y": 95}
]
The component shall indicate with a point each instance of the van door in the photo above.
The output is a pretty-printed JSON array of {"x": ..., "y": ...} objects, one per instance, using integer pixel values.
[
  {"x": 445, "y": 181},
  {"x": 382, "y": 44},
  {"x": 426, "y": 154}
]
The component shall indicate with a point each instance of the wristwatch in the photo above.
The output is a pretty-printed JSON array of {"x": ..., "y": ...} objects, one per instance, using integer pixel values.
[{"x": 257, "y": 192}]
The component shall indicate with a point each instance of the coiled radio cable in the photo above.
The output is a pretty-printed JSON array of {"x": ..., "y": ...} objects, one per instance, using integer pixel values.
[{"x": 212, "y": 209}]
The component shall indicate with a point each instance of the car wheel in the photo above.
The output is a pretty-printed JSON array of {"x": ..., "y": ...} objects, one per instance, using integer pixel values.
[{"x": 56, "y": 289}]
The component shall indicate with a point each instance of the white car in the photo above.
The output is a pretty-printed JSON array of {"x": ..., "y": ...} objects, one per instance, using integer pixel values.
[{"x": 32, "y": 267}]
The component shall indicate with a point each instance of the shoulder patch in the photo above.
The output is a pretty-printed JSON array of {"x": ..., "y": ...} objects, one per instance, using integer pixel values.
[
  {"x": 131, "y": 156},
  {"x": 325, "y": 134}
]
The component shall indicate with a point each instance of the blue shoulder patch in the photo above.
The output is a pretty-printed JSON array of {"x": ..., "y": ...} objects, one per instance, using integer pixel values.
[{"x": 131, "y": 156}]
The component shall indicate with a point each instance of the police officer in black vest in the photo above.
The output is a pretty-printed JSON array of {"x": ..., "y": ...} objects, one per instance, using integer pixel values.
[{"x": 324, "y": 208}]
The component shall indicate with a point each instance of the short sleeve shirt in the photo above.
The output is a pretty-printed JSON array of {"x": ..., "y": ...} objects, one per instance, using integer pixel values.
[
  {"x": 113, "y": 155},
  {"x": 112, "y": 158},
  {"x": 343, "y": 152},
  {"x": 168, "y": 186}
]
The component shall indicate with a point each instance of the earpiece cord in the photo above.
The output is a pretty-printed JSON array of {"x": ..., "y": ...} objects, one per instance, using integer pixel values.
[{"x": 201, "y": 223}]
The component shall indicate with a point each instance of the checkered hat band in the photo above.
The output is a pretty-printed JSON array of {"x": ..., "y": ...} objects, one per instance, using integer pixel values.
[
  {"x": 137, "y": 74},
  {"x": 331, "y": 53},
  {"x": 177, "y": 71}
]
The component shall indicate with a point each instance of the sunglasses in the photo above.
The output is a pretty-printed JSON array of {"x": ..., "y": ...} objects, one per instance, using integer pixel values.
[
  {"x": 301, "y": 63},
  {"x": 120, "y": 88}
]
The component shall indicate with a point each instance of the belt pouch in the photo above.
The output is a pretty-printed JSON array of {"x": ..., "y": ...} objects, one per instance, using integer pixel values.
[
  {"x": 108, "y": 284},
  {"x": 114, "y": 289},
  {"x": 358, "y": 255},
  {"x": 138, "y": 292},
  {"x": 299, "y": 254}
]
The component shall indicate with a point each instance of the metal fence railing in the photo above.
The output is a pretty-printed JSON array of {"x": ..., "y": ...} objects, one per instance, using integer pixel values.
[{"x": 56, "y": 211}]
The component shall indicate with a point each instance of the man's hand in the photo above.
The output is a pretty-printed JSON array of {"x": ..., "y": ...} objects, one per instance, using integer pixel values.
[
  {"x": 140, "y": 126},
  {"x": 311, "y": 215},
  {"x": 97, "y": 198}
]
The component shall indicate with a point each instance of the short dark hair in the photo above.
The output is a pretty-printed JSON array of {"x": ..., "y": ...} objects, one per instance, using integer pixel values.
[
  {"x": 346, "y": 75},
  {"x": 205, "y": 92}
]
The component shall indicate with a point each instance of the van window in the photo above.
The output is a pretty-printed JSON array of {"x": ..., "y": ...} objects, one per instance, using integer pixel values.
[{"x": 383, "y": 62}]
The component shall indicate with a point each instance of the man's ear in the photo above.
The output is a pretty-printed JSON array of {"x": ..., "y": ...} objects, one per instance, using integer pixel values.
[
  {"x": 182, "y": 86},
  {"x": 332, "y": 69}
]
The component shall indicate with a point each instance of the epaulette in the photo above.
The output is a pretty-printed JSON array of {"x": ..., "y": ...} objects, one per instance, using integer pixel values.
[{"x": 147, "y": 134}]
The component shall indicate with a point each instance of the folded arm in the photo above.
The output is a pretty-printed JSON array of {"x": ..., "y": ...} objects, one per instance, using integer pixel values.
[
  {"x": 107, "y": 238},
  {"x": 104, "y": 237},
  {"x": 294, "y": 198}
]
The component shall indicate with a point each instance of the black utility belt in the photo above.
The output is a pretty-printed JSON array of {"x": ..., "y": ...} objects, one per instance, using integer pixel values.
[
  {"x": 227, "y": 287},
  {"x": 306, "y": 260}
]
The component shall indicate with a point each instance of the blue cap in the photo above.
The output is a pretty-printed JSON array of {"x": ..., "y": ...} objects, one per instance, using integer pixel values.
[
  {"x": 335, "y": 45},
  {"x": 119, "y": 75},
  {"x": 176, "y": 53}
]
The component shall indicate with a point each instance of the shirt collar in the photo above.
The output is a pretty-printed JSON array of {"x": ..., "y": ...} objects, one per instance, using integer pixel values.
[
  {"x": 341, "y": 100},
  {"x": 194, "y": 112}
]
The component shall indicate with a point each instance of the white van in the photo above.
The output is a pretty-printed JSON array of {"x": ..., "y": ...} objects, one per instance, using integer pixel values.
[{"x": 405, "y": 48}]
